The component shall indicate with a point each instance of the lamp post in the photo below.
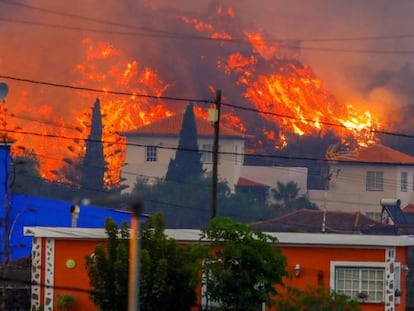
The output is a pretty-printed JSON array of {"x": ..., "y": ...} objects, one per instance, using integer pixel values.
[
  {"x": 134, "y": 262},
  {"x": 134, "y": 205},
  {"x": 216, "y": 120}
]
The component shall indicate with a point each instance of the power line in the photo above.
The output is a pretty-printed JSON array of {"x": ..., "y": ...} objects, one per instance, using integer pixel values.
[
  {"x": 154, "y": 34},
  {"x": 181, "y": 35},
  {"x": 274, "y": 156},
  {"x": 391, "y": 182},
  {"x": 144, "y": 200},
  {"x": 47, "y": 122},
  {"x": 358, "y": 51},
  {"x": 169, "y": 35},
  {"x": 204, "y": 101},
  {"x": 89, "y": 89}
]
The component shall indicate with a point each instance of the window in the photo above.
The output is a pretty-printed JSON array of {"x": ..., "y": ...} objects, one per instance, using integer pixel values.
[
  {"x": 151, "y": 154},
  {"x": 356, "y": 281},
  {"x": 404, "y": 181},
  {"x": 375, "y": 181},
  {"x": 413, "y": 182},
  {"x": 238, "y": 156},
  {"x": 207, "y": 153}
]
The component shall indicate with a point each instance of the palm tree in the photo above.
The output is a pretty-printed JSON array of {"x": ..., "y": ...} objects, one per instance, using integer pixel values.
[{"x": 287, "y": 197}]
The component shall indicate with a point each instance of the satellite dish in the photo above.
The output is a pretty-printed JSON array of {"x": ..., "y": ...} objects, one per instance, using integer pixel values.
[{"x": 4, "y": 89}]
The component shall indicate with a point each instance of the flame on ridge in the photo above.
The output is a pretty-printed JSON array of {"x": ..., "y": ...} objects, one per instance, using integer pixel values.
[
  {"x": 268, "y": 75},
  {"x": 290, "y": 94}
]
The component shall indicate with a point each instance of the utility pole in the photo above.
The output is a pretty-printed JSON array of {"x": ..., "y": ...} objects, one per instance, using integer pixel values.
[
  {"x": 4, "y": 89},
  {"x": 134, "y": 262},
  {"x": 5, "y": 152},
  {"x": 215, "y": 154},
  {"x": 330, "y": 155}
]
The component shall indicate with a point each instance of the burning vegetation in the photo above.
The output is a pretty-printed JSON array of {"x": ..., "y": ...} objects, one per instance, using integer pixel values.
[{"x": 270, "y": 93}]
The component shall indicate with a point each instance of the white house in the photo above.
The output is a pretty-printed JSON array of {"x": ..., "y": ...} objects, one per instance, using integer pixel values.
[
  {"x": 150, "y": 148},
  {"x": 359, "y": 180}
]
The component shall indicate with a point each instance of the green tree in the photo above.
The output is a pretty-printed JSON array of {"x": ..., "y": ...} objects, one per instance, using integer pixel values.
[
  {"x": 27, "y": 177},
  {"x": 243, "y": 206},
  {"x": 94, "y": 165},
  {"x": 170, "y": 273},
  {"x": 243, "y": 268},
  {"x": 187, "y": 161},
  {"x": 108, "y": 269},
  {"x": 187, "y": 204},
  {"x": 65, "y": 302},
  {"x": 315, "y": 299},
  {"x": 168, "y": 277},
  {"x": 288, "y": 199}
]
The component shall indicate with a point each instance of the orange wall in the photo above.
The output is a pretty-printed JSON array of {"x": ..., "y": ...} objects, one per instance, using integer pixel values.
[
  {"x": 77, "y": 277},
  {"x": 315, "y": 266},
  {"x": 314, "y": 262}
]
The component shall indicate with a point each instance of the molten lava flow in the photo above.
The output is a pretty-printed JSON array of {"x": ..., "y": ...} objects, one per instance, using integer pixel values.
[
  {"x": 59, "y": 147},
  {"x": 121, "y": 113},
  {"x": 254, "y": 73},
  {"x": 296, "y": 100},
  {"x": 273, "y": 81}
]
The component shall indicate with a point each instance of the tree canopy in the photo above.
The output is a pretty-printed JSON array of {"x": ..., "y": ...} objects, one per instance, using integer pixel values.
[
  {"x": 108, "y": 269},
  {"x": 288, "y": 199},
  {"x": 169, "y": 272},
  {"x": 168, "y": 277},
  {"x": 187, "y": 204},
  {"x": 243, "y": 267},
  {"x": 187, "y": 161},
  {"x": 94, "y": 165},
  {"x": 315, "y": 299}
]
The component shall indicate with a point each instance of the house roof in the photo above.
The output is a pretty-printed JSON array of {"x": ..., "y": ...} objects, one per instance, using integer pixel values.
[
  {"x": 284, "y": 238},
  {"x": 306, "y": 220},
  {"x": 409, "y": 208},
  {"x": 377, "y": 154},
  {"x": 244, "y": 182},
  {"x": 34, "y": 211},
  {"x": 171, "y": 126}
]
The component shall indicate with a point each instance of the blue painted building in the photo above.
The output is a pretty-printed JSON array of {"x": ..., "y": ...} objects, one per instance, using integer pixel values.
[
  {"x": 18, "y": 211},
  {"x": 32, "y": 211}
]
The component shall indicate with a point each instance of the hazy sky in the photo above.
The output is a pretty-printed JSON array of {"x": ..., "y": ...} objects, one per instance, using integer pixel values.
[{"x": 347, "y": 43}]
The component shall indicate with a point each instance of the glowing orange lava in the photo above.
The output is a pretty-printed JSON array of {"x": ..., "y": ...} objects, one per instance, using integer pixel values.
[{"x": 268, "y": 77}]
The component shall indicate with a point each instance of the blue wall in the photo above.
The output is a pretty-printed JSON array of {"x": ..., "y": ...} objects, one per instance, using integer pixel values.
[{"x": 32, "y": 211}]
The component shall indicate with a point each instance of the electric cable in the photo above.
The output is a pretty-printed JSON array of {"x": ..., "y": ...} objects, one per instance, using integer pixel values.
[
  {"x": 89, "y": 89},
  {"x": 190, "y": 36},
  {"x": 203, "y": 101}
]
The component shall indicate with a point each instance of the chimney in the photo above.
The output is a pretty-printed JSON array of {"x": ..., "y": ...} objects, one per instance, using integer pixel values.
[{"x": 74, "y": 211}]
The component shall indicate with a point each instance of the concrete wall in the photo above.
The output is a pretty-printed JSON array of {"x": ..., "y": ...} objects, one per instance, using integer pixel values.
[
  {"x": 348, "y": 192},
  {"x": 230, "y": 158}
]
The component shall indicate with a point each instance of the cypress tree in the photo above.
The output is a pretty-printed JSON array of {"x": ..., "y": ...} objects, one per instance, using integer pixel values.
[
  {"x": 187, "y": 162},
  {"x": 94, "y": 165}
]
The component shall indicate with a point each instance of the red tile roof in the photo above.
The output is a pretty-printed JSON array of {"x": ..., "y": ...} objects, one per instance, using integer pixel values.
[
  {"x": 377, "y": 154},
  {"x": 244, "y": 182},
  {"x": 409, "y": 208},
  {"x": 306, "y": 220},
  {"x": 171, "y": 126}
]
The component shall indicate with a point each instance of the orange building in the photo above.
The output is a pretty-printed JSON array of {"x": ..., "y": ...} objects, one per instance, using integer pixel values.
[{"x": 348, "y": 263}]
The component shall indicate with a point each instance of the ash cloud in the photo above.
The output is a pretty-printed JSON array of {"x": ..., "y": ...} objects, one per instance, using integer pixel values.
[{"x": 48, "y": 53}]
